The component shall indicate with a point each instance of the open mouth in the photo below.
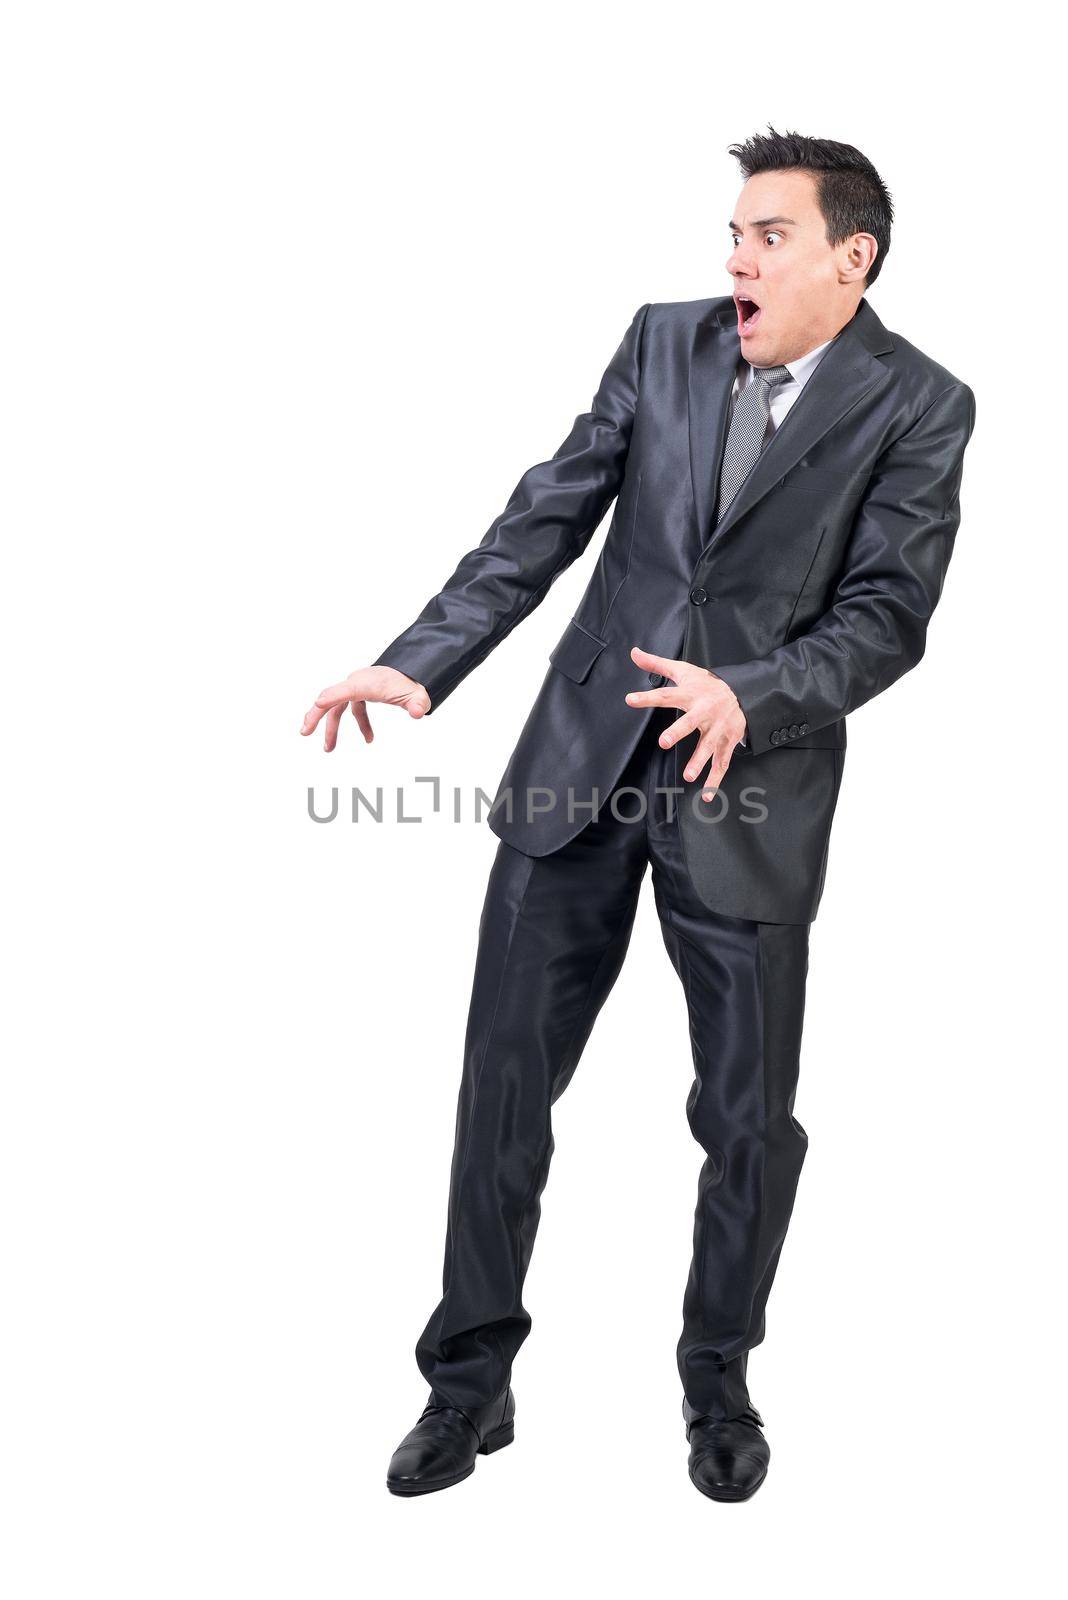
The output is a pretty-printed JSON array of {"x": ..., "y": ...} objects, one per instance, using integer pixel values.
[{"x": 749, "y": 314}]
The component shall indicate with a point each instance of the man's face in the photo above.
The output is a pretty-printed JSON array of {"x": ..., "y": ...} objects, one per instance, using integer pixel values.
[{"x": 782, "y": 261}]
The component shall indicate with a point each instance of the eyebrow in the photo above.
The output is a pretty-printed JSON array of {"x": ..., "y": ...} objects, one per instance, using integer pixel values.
[{"x": 763, "y": 222}]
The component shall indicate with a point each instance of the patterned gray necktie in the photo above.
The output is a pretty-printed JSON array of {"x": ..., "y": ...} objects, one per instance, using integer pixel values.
[{"x": 745, "y": 439}]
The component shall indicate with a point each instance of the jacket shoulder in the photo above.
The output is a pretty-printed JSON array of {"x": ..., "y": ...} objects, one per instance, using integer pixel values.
[
  {"x": 684, "y": 313},
  {"x": 919, "y": 374}
]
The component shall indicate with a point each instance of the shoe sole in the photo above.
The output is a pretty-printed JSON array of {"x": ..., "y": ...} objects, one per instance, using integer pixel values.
[{"x": 493, "y": 1441}]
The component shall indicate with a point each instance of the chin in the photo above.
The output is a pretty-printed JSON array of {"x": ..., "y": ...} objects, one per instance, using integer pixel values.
[{"x": 758, "y": 352}]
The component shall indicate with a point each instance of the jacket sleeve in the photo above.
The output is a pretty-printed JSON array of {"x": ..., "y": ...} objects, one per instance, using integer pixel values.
[
  {"x": 875, "y": 629},
  {"x": 548, "y": 522}
]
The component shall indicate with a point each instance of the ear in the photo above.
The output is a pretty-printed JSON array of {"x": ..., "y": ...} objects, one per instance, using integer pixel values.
[{"x": 859, "y": 253}]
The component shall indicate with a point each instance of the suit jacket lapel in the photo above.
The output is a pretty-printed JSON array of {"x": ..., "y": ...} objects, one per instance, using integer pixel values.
[
  {"x": 713, "y": 365},
  {"x": 845, "y": 374}
]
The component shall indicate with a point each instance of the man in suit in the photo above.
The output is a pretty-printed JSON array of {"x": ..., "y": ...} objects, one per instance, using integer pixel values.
[{"x": 786, "y": 475}]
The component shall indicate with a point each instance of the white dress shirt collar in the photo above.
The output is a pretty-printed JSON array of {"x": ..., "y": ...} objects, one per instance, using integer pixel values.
[
  {"x": 803, "y": 368},
  {"x": 800, "y": 370}
]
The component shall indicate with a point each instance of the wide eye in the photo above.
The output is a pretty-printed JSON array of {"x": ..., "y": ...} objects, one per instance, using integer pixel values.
[{"x": 772, "y": 235}]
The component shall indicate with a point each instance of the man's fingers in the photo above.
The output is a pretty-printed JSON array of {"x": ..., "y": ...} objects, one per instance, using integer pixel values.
[
  {"x": 651, "y": 663},
  {"x": 655, "y": 697},
  {"x": 333, "y": 720},
  {"x": 678, "y": 730},
  {"x": 359, "y": 711},
  {"x": 312, "y": 719},
  {"x": 336, "y": 693},
  {"x": 706, "y": 749},
  {"x": 718, "y": 771},
  {"x": 337, "y": 696},
  {"x": 358, "y": 692}
]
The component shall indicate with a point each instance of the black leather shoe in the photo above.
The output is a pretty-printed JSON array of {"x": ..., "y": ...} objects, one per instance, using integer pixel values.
[
  {"x": 441, "y": 1448},
  {"x": 728, "y": 1460}
]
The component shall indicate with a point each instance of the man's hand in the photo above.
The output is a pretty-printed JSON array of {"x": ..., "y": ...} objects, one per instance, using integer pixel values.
[
  {"x": 384, "y": 684},
  {"x": 710, "y": 709}
]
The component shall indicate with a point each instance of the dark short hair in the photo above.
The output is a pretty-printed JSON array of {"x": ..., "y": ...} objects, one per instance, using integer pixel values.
[{"x": 851, "y": 194}]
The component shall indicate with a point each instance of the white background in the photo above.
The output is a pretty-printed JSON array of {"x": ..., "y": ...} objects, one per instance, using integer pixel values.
[{"x": 292, "y": 297}]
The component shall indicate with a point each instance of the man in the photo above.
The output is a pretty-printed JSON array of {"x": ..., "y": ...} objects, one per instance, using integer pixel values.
[{"x": 787, "y": 476}]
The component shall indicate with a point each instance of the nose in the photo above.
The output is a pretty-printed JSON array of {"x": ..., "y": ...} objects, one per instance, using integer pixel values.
[{"x": 739, "y": 264}]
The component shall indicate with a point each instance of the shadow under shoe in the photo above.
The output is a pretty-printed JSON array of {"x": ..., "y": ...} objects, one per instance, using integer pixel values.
[
  {"x": 728, "y": 1459},
  {"x": 441, "y": 1448}
]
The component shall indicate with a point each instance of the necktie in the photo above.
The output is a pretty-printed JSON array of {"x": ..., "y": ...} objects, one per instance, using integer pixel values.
[{"x": 748, "y": 427}]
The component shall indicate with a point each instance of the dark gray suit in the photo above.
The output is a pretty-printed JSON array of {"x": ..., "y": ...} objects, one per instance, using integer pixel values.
[{"x": 811, "y": 595}]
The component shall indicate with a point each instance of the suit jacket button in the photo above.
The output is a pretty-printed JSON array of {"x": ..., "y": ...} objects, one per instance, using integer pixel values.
[
  {"x": 804, "y": 728},
  {"x": 699, "y": 596},
  {"x": 775, "y": 736},
  {"x": 795, "y": 731}
]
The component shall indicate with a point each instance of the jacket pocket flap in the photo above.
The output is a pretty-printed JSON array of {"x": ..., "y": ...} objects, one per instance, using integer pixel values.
[{"x": 576, "y": 652}]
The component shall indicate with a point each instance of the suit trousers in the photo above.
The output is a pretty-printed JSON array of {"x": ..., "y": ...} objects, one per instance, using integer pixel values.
[{"x": 552, "y": 938}]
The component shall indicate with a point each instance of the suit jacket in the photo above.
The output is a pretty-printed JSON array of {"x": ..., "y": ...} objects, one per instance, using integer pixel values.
[{"x": 810, "y": 596}]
